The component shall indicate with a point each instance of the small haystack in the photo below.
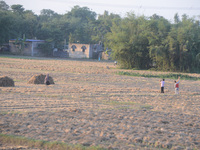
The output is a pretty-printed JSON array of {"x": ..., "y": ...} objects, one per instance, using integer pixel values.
[
  {"x": 6, "y": 81},
  {"x": 39, "y": 79}
]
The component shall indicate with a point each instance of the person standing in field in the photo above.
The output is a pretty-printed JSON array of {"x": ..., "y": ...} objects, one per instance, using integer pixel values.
[
  {"x": 162, "y": 84},
  {"x": 176, "y": 86},
  {"x": 46, "y": 80}
]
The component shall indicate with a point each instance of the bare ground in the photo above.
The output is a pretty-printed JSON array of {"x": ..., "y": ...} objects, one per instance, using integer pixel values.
[{"x": 89, "y": 104}]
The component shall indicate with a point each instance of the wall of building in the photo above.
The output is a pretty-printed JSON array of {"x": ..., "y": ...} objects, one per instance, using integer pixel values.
[
  {"x": 34, "y": 50},
  {"x": 30, "y": 48},
  {"x": 96, "y": 50},
  {"x": 91, "y": 50},
  {"x": 76, "y": 51},
  {"x": 15, "y": 48}
]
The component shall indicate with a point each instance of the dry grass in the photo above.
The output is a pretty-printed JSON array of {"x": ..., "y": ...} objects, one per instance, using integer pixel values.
[{"x": 93, "y": 86}]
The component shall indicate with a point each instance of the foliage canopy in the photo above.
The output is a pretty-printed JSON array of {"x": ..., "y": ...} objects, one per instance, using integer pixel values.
[{"x": 136, "y": 41}]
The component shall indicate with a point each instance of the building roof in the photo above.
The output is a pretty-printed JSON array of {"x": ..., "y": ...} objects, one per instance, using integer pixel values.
[{"x": 29, "y": 40}]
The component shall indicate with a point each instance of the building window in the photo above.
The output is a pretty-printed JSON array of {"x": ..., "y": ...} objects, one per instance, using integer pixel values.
[
  {"x": 83, "y": 48},
  {"x": 73, "y": 48}
]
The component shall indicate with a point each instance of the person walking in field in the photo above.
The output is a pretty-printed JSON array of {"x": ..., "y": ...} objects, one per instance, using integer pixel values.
[
  {"x": 176, "y": 86},
  {"x": 162, "y": 84}
]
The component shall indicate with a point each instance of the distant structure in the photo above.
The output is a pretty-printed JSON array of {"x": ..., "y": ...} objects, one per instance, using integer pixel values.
[
  {"x": 61, "y": 54},
  {"x": 30, "y": 47},
  {"x": 93, "y": 51}
]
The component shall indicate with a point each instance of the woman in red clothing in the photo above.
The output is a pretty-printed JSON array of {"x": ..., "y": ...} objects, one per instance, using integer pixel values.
[{"x": 176, "y": 86}]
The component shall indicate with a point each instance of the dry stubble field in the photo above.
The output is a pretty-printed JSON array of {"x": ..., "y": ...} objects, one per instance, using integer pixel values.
[{"x": 90, "y": 104}]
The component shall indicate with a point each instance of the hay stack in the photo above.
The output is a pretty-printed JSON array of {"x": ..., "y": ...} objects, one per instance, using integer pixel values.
[
  {"x": 6, "y": 81},
  {"x": 39, "y": 79}
]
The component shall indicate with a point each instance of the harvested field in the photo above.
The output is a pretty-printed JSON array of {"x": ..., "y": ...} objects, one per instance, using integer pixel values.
[{"x": 90, "y": 104}]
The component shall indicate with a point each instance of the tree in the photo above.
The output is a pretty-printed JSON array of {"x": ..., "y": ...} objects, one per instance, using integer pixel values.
[
  {"x": 6, "y": 22},
  {"x": 18, "y": 9},
  {"x": 29, "y": 24},
  {"x": 129, "y": 43},
  {"x": 47, "y": 15},
  {"x": 184, "y": 44},
  {"x": 176, "y": 18},
  {"x": 80, "y": 19},
  {"x": 3, "y": 6},
  {"x": 50, "y": 28},
  {"x": 84, "y": 13},
  {"x": 103, "y": 25},
  {"x": 158, "y": 29},
  {"x": 24, "y": 22}
]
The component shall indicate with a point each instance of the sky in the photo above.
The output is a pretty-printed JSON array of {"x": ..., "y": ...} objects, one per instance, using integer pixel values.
[{"x": 165, "y": 8}]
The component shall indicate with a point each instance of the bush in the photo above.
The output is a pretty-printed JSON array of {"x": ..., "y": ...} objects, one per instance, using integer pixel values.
[{"x": 170, "y": 75}]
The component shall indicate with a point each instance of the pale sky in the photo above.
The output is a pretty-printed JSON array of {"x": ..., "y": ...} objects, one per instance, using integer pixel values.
[{"x": 165, "y": 8}]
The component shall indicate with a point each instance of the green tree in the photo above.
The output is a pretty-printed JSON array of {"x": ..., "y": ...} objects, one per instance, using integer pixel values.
[
  {"x": 184, "y": 44},
  {"x": 3, "y": 6},
  {"x": 176, "y": 18},
  {"x": 83, "y": 13},
  {"x": 50, "y": 28},
  {"x": 157, "y": 32},
  {"x": 80, "y": 19},
  {"x": 18, "y": 9},
  {"x": 29, "y": 24},
  {"x": 6, "y": 21},
  {"x": 24, "y": 22},
  {"x": 129, "y": 42},
  {"x": 103, "y": 25}
]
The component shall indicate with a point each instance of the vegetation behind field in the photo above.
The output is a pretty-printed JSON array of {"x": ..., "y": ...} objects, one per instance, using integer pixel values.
[
  {"x": 169, "y": 76},
  {"x": 136, "y": 41}
]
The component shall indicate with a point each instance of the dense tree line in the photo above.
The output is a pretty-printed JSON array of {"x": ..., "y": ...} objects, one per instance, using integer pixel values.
[
  {"x": 154, "y": 42},
  {"x": 136, "y": 41}
]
